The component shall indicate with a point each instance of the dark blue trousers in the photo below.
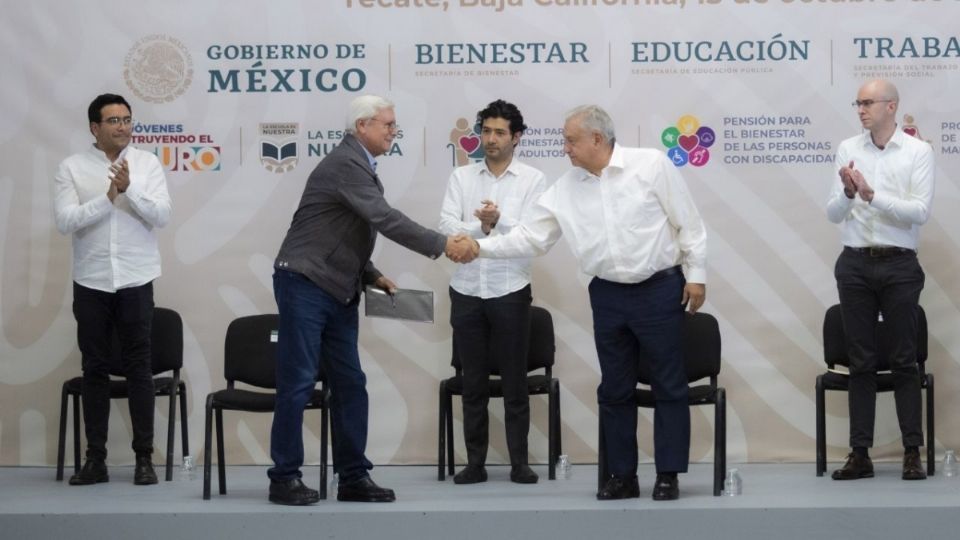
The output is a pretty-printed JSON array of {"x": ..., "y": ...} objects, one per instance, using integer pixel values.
[
  {"x": 633, "y": 323},
  {"x": 317, "y": 331}
]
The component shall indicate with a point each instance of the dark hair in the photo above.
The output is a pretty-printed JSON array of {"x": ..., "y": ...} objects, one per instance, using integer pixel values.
[
  {"x": 101, "y": 101},
  {"x": 507, "y": 111}
]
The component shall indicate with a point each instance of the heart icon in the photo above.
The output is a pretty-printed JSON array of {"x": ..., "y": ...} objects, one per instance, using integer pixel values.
[
  {"x": 469, "y": 143},
  {"x": 689, "y": 142}
]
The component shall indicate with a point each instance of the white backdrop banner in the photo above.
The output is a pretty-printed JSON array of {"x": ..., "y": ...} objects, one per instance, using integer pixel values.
[{"x": 241, "y": 100}]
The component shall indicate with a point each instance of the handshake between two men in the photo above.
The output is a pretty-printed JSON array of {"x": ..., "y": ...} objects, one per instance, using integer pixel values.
[{"x": 462, "y": 248}]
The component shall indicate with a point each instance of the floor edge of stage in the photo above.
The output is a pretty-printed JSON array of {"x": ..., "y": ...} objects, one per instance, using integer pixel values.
[{"x": 783, "y": 501}]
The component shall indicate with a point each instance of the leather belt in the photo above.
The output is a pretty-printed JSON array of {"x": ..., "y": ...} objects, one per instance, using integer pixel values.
[
  {"x": 879, "y": 251},
  {"x": 666, "y": 272}
]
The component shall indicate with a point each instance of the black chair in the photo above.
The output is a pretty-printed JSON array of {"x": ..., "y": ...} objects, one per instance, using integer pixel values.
[
  {"x": 540, "y": 356},
  {"x": 835, "y": 354},
  {"x": 166, "y": 341},
  {"x": 701, "y": 353},
  {"x": 250, "y": 356}
]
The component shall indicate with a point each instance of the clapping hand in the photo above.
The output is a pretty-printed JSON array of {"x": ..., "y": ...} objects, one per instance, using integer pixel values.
[{"x": 488, "y": 214}]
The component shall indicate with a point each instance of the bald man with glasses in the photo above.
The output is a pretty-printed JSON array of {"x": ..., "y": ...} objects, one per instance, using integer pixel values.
[{"x": 881, "y": 197}]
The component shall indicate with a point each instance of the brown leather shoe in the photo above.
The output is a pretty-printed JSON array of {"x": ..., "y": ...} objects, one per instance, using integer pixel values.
[
  {"x": 913, "y": 467},
  {"x": 855, "y": 468}
]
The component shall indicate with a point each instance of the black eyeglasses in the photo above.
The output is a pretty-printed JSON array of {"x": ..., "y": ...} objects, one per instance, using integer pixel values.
[
  {"x": 866, "y": 103},
  {"x": 117, "y": 120}
]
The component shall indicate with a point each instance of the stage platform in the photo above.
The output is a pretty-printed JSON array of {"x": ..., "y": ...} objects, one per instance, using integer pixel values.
[{"x": 781, "y": 502}]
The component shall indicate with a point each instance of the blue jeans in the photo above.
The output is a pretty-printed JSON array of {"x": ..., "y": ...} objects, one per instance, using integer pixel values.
[
  {"x": 633, "y": 322},
  {"x": 317, "y": 332}
]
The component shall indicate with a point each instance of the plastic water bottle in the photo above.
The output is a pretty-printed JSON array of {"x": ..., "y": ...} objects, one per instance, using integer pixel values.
[
  {"x": 950, "y": 466},
  {"x": 334, "y": 483},
  {"x": 563, "y": 467},
  {"x": 733, "y": 484},
  {"x": 188, "y": 470}
]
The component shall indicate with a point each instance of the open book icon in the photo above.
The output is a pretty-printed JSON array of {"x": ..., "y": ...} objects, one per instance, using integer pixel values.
[{"x": 279, "y": 153}]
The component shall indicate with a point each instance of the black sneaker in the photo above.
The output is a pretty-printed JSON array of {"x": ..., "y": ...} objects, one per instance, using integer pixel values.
[{"x": 94, "y": 471}]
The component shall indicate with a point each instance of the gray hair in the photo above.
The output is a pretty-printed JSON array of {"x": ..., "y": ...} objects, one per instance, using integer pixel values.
[
  {"x": 594, "y": 119},
  {"x": 364, "y": 108}
]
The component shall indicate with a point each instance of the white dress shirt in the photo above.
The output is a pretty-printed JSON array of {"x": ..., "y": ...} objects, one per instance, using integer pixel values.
[
  {"x": 635, "y": 219},
  {"x": 514, "y": 192},
  {"x": 114, "y": 244},
  {"x": 901, "y": 176}
]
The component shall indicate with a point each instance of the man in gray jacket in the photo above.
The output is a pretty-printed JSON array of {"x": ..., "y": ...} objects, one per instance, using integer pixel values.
[{"x": 322, "y": 266}]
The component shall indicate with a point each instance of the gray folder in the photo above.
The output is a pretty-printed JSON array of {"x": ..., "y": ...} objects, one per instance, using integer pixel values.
[{"x": 405, "y": 304}]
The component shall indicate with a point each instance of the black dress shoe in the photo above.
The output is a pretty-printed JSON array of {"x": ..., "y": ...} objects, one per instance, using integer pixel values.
[
  {"x": 94, "y": 471},
  {"x": 857, "y": 466},
  {"x": 666, "y": 488},
  {"x": 143, "y": 473},
  {"x": 292, "y": 492},
  {"x": 619, "y": 488},
  {"x": 523, "y": 474},
  {"x": 471, "y": 474},
  {"x": 913, "y": 467},
  {"x": 364, "y": 490}
]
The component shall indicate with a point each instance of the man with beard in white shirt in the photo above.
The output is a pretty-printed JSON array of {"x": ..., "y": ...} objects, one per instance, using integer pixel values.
[{"x": 490, "y": 298}]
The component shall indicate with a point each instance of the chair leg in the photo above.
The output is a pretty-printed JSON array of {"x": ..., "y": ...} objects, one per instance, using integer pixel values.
[
  {"x": 77, "y": 404},
  {"x": 171, "y": 428},
  {"x": 207, "y": 447},
  {"x": 324, "y": 425},
  {"x": 719, "y": 441},
  {"x": 821, "y": 437},
  {"x": 221, "y": 460},
  {"x": 931, "y": 450},
  {"x": 184, "y": 430},
  {"x": 552, "y": 428},
  {"x": 559, "y": 447},
  {"x": 601, "y": 462},
  {"x": 448, "y": 406},
  {"x": 62, "y": 439},
  {"x": 441, "y": 433}
]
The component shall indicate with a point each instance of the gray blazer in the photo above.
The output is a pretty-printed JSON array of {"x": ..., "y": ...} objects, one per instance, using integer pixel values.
[{"x": 335, "y": 227}]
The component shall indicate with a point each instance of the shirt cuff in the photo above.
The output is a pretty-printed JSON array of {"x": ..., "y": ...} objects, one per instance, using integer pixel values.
[{"x": 695, "y": 275}]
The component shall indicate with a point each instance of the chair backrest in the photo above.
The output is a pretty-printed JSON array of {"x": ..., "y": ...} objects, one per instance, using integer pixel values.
[
  {"x": 250, "y": 350},
  {"x": 835, "y": 340},
  {"x": 542, "y": 350},
  {"x": 166, "y": 344},
  {"x": 701, "y": 348}
]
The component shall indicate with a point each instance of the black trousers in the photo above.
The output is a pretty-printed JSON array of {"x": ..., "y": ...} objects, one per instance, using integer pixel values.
[
  {"x": 129, "y": 314},
  {"x": 869, "y": 286},
  {"x": 493, "y": 333}
]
